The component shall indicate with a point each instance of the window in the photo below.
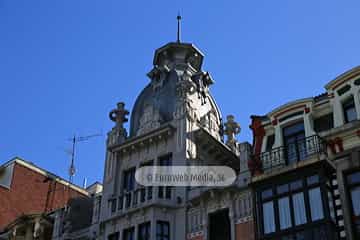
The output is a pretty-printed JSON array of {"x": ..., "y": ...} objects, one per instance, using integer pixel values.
[
  {"x": 162, "y": 230},
  {"x": 294, "y": 139},
  {"x": 349, "y": 110},
  {"x": 129, "y": 180},
  {"x": 299, "y": 208},
  {"x": 128, "y": 185},
  {"x": 285, "y": 206},
  {"x": 284, "y": 213},
  {"x": 146, "y": 190},
  {"x": 112, "y": 203},
  {"x": 324, "y": 123},
  {"x": 144, "y": 231},
  {"x": 316, "y": 206},
  {"x": 129, "y": 234},
  {"x": 268, "y": 217},
  {"x": 353, "y": 182},
  {"x": 165, "y": 192}
]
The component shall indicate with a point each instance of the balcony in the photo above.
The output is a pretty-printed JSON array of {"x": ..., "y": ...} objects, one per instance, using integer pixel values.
[
  {"x": 292, "y": 153},
  {"x": 142, "y": 197}
]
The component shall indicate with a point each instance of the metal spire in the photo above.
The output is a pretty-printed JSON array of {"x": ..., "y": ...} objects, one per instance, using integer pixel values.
[{"x": 178, "y": 27}]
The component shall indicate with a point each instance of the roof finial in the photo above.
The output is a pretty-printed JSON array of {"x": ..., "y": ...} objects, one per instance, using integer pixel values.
[{"x": 178, "y": 28}]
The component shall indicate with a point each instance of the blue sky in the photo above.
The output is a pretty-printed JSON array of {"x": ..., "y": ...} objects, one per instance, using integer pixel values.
[{"x": 65, "y": 64}]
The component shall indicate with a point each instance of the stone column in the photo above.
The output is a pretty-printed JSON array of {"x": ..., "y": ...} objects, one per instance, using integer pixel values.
[
  {"x": 356, "y": 101},
  {"x": 308, "y": 125},
  {"x": 278, "y": 136},
  {"x": 338, "y": 111}
]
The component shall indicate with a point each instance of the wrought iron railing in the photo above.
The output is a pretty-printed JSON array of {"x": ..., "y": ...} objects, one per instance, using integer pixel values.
[
  {"x": 292, "y": 152},
  {"x": 140, "y": 196}
]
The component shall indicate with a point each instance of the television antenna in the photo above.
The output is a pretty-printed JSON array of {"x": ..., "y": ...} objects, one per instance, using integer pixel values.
[{"x": 75, "y": 140}]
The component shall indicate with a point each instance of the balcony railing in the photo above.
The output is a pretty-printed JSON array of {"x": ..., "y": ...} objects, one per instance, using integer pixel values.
[
  {"x": 135, "y": 198},
  {"x": 140, "y": 197},
  {"x": 292, "y": 152}
]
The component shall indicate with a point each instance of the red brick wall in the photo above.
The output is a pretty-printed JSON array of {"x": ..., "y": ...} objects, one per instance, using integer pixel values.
[
  {"x": 28, "y": 193},
  {"x": 245, "y": 231}
]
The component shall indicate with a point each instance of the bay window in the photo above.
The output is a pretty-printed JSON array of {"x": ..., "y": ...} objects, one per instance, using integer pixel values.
[
  {"x": 353, "y": 184},
  {"x": 289, "y": 207}
]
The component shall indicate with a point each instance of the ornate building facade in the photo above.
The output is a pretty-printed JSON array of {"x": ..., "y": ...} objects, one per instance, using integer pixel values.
[
  {"x": 175, "y": 122},
  {"x": 305, "y": 165}
]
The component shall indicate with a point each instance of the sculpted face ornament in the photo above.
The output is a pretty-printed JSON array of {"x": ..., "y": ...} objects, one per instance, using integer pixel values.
[
  {"x": 232, "y": 128},
  {"x": 119, "y": 114}
]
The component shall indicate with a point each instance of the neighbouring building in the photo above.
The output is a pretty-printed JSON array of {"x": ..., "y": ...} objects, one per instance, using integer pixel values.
[
  {"x": 28, "y": 194},
  {"x": 306, "y": 165},
  {"x": 80, "y": 218},
  {"x": 175, "y": 122}
]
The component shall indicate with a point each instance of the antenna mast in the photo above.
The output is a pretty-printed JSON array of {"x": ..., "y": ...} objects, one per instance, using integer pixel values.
[
  {"x": 178, "y": 27},
  {"x": 74, "y": 140}
]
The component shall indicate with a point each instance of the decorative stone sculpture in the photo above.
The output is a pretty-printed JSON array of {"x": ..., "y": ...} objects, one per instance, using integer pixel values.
[
  {"x": 232, "y": 128},
  {"x": 119, "y": 114},
  {"x": 37, "y": 229},
  {"x": 150, "y": 119}
]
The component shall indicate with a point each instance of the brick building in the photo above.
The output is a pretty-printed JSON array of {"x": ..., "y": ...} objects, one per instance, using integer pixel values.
[{"x": 26, "y": 189}]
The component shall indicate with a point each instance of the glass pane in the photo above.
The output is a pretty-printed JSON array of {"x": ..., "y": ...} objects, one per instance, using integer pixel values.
[
  {"x": 158, "y": 228},
  {"x": 284, "y": 213},
  {"x": 351, "y": 114},
  {"x": 296, "y": 185},
  {"x": 282, "y": 188},
  {"x": 313, "y": 179},
  {"x": 349, "y": 110},
  {"x": 166, "y": 229},
  {"x": 301, "y": 146},
  {"x": 291, "y": 152},
  {"x": 299, "y": 208},
  {"x": 293, "y": 129},
  {"x": 316, "y": 206},
  {"x": 355, "y": 199},
  {"x": 266, "y": 194},
  {"x": 268, "y": 217},
  {"x": 354, "y": 178}
]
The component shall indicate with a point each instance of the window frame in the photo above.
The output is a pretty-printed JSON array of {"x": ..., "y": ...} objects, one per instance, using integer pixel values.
[
  {"x": 162, "y": 236},
  {"x": 148, "y": 234},
  {"x": 164, "y": 192},
  {"x": 304, "y": 189},
  {"x": 347, "y": 104},
  {"x": 128, "y": 230},
  {"x": 349, "y": 187}
]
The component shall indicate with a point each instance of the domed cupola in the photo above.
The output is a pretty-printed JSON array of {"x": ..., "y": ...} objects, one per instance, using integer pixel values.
[
  {"x": 176, "y": 77},
  {"x": 156, "y": 103}
]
